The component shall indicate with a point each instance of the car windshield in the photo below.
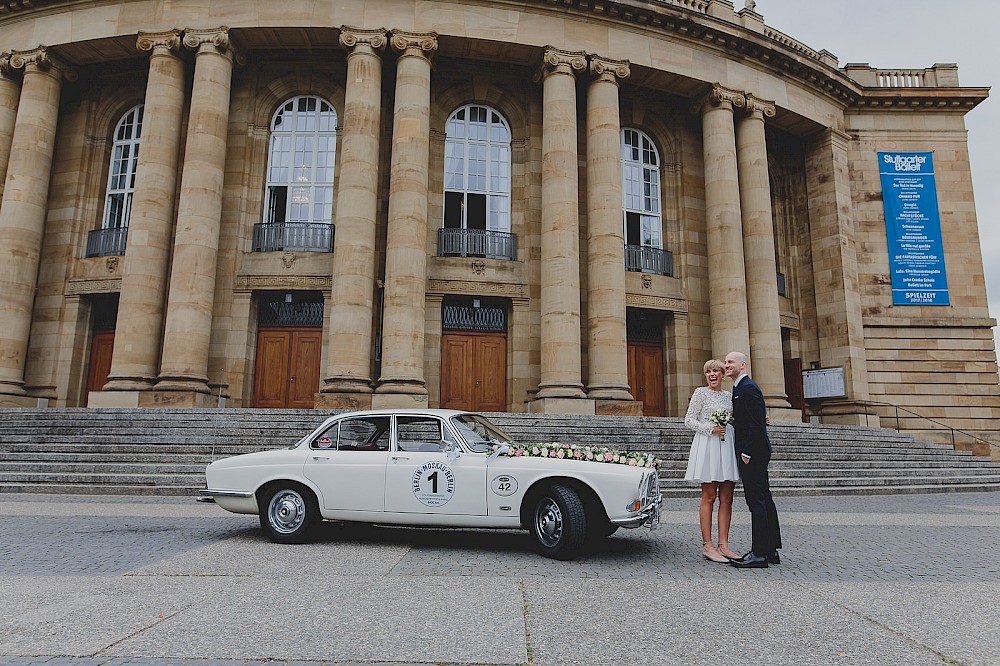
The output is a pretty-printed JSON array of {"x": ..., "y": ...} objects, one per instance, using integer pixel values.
[{"x": 479, "y": 433}]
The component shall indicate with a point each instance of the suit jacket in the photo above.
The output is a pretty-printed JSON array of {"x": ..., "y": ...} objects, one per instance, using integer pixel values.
[{"x": 750, "y": 419}]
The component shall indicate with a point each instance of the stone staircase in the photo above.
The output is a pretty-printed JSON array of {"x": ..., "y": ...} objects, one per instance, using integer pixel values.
[{"x": 165, "y": 451}]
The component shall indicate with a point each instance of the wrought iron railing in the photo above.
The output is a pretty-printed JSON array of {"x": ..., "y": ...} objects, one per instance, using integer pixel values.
[
  {"x": 296, "y": 236},
  {"x": 646, "y": 259},
  {"x": 907, "y": 420},
  {"x": 106, "y": 242},
  {"x": 477, "y": 243}
]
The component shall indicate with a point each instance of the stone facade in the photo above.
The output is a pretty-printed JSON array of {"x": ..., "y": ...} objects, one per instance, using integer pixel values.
[{"x": 761, "y": 165}]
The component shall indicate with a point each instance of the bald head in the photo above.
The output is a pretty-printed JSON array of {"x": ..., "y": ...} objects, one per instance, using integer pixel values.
[{"x": 736, "y": 364}]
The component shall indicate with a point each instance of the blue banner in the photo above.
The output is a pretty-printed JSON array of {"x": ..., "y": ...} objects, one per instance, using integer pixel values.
[{"x": 913, "y": 229}]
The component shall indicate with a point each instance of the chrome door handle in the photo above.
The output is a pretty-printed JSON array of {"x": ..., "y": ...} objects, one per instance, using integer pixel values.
[
  {"x": 321, "y": 457},
  {"x": 400, "y": 458}
]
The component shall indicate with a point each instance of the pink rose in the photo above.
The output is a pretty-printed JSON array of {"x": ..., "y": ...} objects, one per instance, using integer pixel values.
[
  {"x": 552, "y": 454},
  {"x": 632, "y": 463},
  {"x": 609, "y": 456},
  {"x": 560, "y": 454}
]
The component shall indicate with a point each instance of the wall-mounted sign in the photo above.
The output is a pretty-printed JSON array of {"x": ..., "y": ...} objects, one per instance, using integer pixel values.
[
  {"x": 913, "y": 229},
  {"x": 823, "y": 383}
]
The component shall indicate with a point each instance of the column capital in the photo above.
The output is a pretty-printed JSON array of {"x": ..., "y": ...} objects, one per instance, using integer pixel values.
[
  {"x": 756, "y": 106},
  {"x": 40, "y": 60},
  {"x": 719, "y": 96},
  {"x": 608, "y": 69},
  {"x": 557, "y": 61},
  {"x": 213, "y": 39},
  {"x": 351, "y": 37},
  {"x": 7, "y": 72},
  {"x": 158, "y": 42},
  {"x": 422, "y": 44}
]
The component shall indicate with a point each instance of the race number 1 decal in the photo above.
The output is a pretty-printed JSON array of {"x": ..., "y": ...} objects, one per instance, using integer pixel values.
[{"x": 433, "y": 483}]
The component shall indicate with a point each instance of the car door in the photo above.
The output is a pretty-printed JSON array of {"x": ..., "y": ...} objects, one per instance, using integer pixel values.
[
  {"x": 421, "y": 477},
  {"x": 347, "y": 463}
]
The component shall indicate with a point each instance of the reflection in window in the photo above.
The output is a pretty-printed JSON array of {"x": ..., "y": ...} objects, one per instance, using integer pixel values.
[
  {"x": 301, "y": 162},
  {"x": 479, "y": 433},
  {"x": 364, "y": 434},
  {"x": 418, "y": 433},
  {"x": 477, "y": 170},
  {"x": 121, "y": 174},
  {"x": 641, "y": 190}
]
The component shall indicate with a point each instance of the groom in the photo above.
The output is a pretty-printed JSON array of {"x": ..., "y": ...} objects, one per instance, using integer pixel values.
[{"x": 753, "y": 453}]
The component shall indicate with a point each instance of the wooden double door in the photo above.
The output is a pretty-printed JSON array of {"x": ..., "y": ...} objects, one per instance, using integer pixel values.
[
  {"x": 645, "y": 376},
  {"x": 287, "y": 369},
  {"x": 101, "y": 347},
  {"x": 474, "y": 371}
]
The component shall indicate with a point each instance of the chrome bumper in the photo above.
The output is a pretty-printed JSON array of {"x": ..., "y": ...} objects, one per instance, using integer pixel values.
[
  {"x": 648, "y": 515},
  {"x": 225, "y": 493}
]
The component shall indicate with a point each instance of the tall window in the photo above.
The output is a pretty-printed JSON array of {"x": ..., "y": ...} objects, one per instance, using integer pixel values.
[
  {"x": 477, "y": 170},
  {"x": 641, "y": 190},
  {"x": 300, "y": 162},
  {"x": 121, "y": 174}
]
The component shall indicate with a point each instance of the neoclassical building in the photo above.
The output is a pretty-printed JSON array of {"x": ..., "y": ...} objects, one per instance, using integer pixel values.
[{"x": 524, "y": 205}]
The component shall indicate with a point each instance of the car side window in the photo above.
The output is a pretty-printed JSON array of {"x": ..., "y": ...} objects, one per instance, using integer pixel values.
[
  {"x": 326, "y": 439},
  {"x": 418, "y": 433},
  {"x": 364, "y": 434}
]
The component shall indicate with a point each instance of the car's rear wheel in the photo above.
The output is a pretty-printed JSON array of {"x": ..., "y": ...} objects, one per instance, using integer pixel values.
[
  {"x": 559, "y": 522},
  {"x": 289, "y": 513}
]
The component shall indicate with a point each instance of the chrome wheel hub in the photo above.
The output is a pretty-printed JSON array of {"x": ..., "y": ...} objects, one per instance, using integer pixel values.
[
  {"x": 548, "y": 523},
  {"x": 286, "y": 512}
]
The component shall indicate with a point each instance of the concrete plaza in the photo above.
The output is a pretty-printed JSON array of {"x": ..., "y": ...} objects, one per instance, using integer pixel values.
[{"x": 906, "y": 579}]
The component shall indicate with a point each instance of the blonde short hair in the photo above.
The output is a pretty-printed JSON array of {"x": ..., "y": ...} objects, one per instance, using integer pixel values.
[{"x": 713, "y": 364}]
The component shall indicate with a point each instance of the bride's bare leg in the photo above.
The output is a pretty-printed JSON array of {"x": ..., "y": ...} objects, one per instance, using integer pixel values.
[{"x": 726, "y": 490}]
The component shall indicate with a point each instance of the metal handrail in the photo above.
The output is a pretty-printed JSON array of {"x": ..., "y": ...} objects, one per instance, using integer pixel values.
[{"x": 912, "y": 414}]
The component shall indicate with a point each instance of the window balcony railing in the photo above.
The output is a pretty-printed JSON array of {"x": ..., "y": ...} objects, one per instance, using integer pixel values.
[
  {"x": 295, "y": 236},
  {"x": 106, "y": 242},
  {"x": 646, "y": 259},
  {"x": 477, "y": 243}
]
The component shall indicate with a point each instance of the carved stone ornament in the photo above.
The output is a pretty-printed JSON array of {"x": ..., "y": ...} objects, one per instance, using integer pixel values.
[
  {"x": 565, "y": 62},
  {"x": 5, "y": 69},
  {"x": 151, "y": 41},
  {"x": 351, "y": 37},
  {"x": 414, "y": 43},
  {"x": 719, "y": 95},
  {"x": 607, "y": 69},
  {"x": 41, "y": 60},
  {"x": 288, "y": 259},
  {"x": 217, "y": 38},
  {"x": 112, "y": 264},
  {"x": 478, "y": 266},
  {"x": 761, "y": 106},
  {"x": 647, "y": 282}
]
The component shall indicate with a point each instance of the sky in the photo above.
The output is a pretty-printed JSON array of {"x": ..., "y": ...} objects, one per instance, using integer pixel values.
[{"x": 914, "y": 34}]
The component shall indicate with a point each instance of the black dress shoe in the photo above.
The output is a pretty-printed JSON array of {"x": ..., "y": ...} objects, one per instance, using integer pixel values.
[
  {"x": 772, "y": 557},
  {"x": 750, "y": 561}
]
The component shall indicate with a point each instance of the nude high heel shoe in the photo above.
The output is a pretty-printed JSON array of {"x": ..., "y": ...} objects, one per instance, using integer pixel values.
[{"x": 724, "y": 549}]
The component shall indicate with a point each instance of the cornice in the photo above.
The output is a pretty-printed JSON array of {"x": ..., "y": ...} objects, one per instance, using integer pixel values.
[{"x": 924, "y": 99}]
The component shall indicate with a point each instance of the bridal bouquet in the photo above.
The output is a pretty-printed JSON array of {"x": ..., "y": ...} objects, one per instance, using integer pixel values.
[{"x": 721, "y": 418}]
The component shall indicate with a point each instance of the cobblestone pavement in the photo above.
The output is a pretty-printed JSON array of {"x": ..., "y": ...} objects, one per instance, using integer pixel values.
[{"x": 88, "y": 581}]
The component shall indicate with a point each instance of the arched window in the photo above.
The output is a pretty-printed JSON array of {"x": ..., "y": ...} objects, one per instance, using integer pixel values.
[
  {"x": 641, "y": 190},
  {"x": 301, "y": 162},
  {"x": 477, "y": 170},
  {"x": 121, "y": 174}
]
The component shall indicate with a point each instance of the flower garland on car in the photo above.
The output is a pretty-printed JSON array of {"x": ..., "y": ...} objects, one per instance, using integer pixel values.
[{"x": 602, "y": 454}]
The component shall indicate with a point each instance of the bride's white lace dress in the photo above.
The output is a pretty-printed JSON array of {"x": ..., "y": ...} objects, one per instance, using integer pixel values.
[{"x": 712, "y": 459}]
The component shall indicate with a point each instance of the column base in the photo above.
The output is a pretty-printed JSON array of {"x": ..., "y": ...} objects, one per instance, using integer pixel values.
[
  {"x": 338, "y": 400},
  {"x": 618, "y": 407},
  {"x": 609, "y": 392},
  {"x": 129, "y": 384},
  {"x": 114, "y": 398},
  {"x": 180, "y": 399},
  {"x": 398, "y": 401},
  {"x": 573, "y": 391},
  {"x": 847, "y": 412},
  {"x": 784, "y": 415},
  {"x": 21, "y": 401},
  {"x": 544, "y": 405}
]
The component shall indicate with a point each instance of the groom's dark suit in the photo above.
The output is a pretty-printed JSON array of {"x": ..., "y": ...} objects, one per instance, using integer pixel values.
[{"x": 750, "y": 426}]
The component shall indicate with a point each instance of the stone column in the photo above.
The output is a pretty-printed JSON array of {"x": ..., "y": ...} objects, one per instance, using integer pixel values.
[
  {"x": 401, "y": 383},
  {"x": 348, "y": 383},
  {"x": 607, "y": 347},
  {"x": 183, "y": 377},
  {"x": 727, "y": 289},
  {"x": 10, "y": 93},
  {"x": 23, "y": 210},
  {"x": 144, "y": 274},
  {"x": 561, "y": 373},
  {"x": 835, "y": 274},
  {"x": 758, "y": 253}
]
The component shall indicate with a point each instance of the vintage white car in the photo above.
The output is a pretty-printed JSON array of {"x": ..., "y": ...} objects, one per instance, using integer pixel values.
[{"x": 438, "y": 468}]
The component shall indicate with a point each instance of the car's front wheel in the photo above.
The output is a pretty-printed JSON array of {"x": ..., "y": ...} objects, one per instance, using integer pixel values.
[
  {"x": 559, "y": 522},
  {"x": 289, "y": 513}
]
